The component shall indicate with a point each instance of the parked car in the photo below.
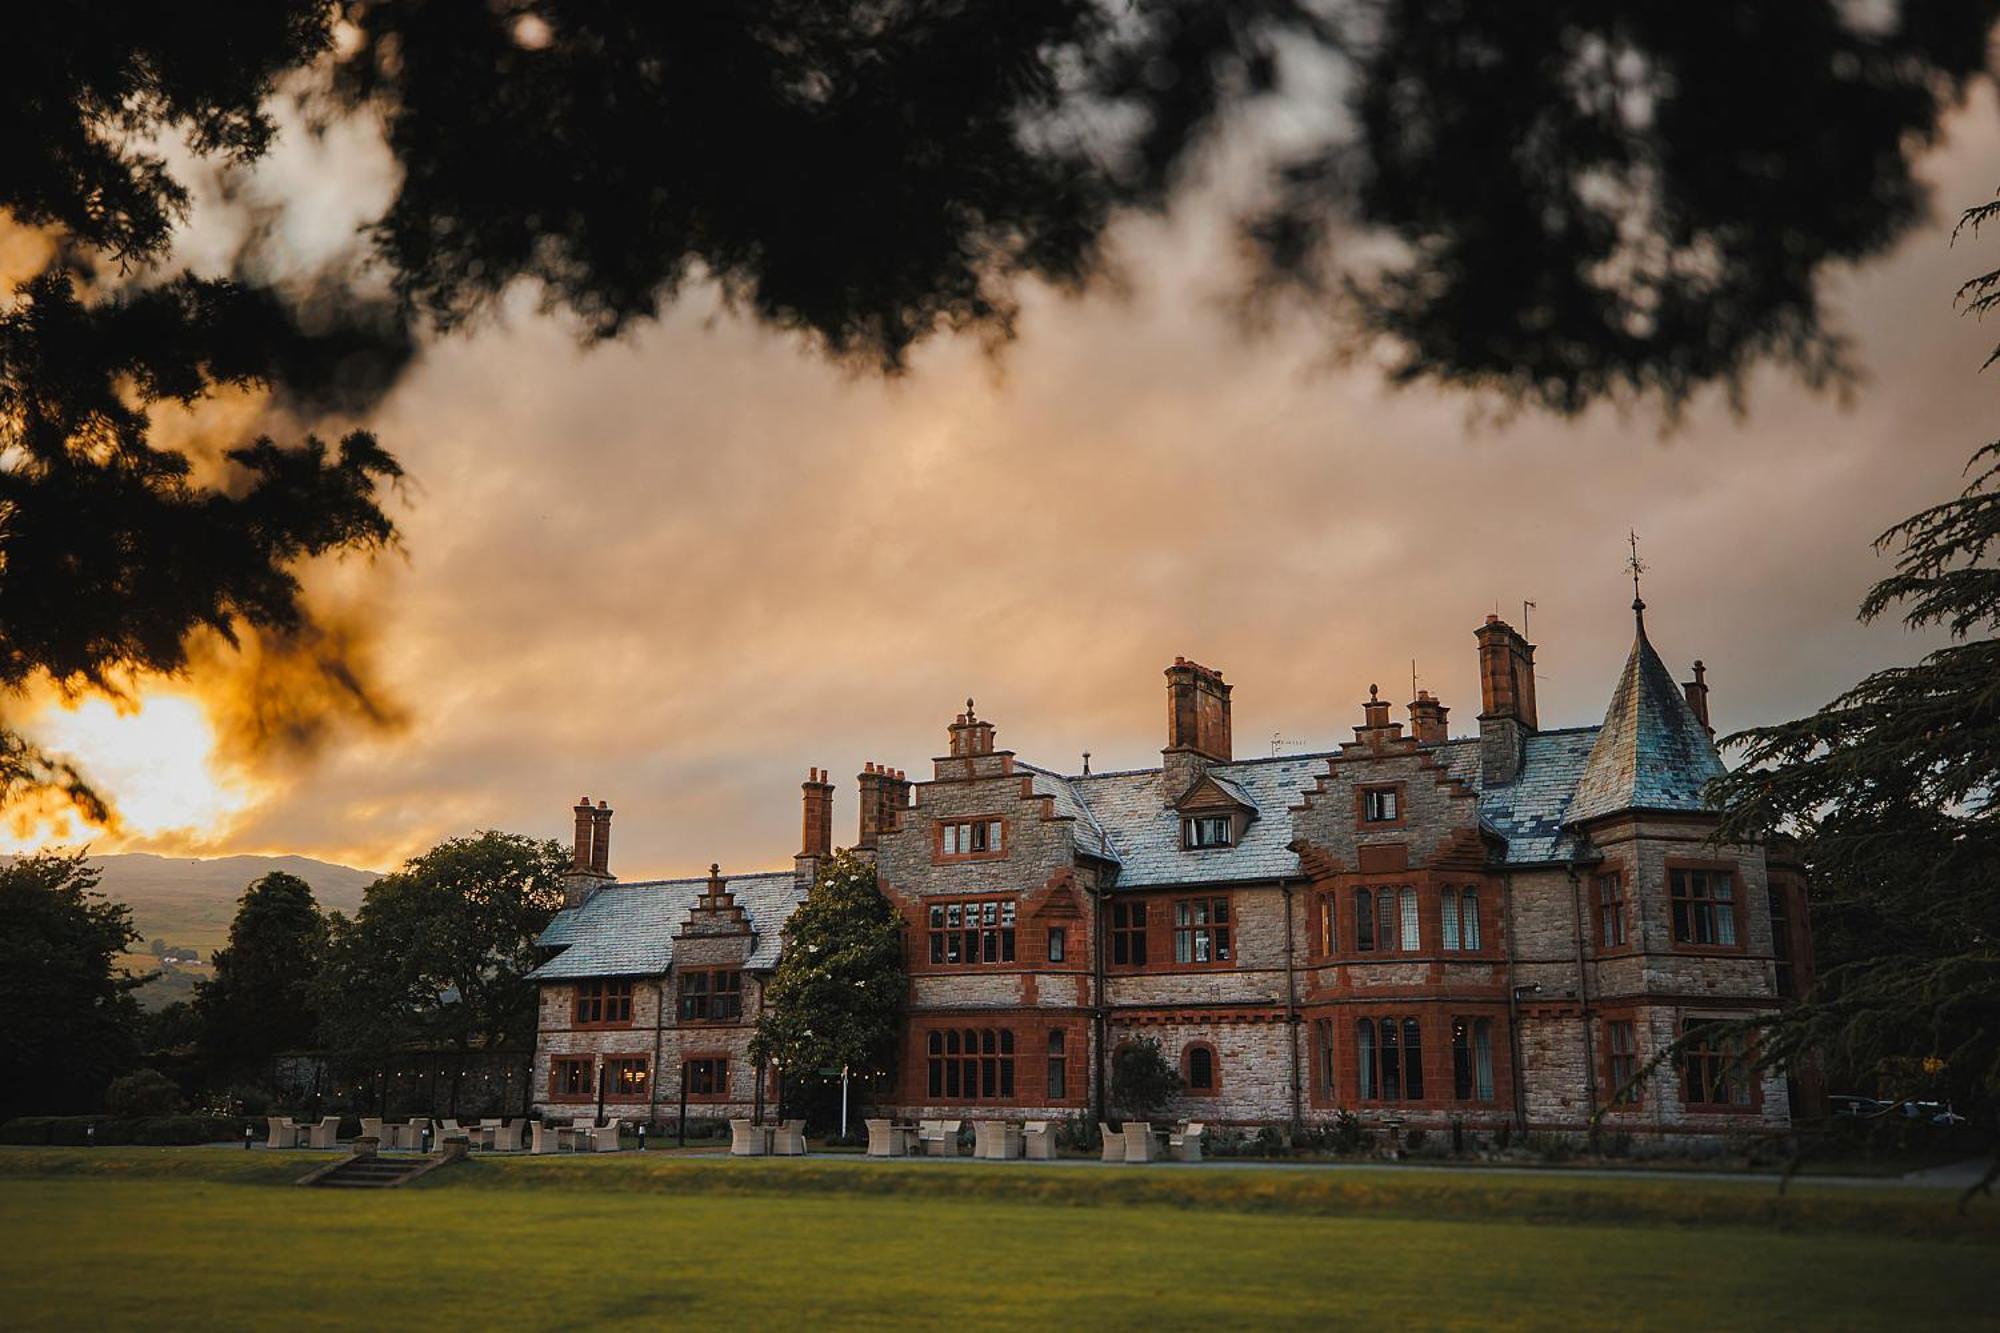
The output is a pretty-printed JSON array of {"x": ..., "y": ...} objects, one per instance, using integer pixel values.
[{"x": 1855, "y": 1107}]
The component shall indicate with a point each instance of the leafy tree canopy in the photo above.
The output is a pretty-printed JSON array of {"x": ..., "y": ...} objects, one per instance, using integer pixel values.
[
  {"x": 441, "y": 949},
  {"x": 259, "y": 1002},
  {"x": 1555, "y": 203},
  {"x": 835, "y": 1000},
  {"x": 70, "y": 1014}
]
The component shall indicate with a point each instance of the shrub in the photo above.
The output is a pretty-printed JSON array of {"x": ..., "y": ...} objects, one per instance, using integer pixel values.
[
  {"x": 141, "y": 1093},
  {"x": 1143, "y": 1080},
  {"x": 27, "y": 1129},
  {"x": 1078, "y": 1133},
  {"x": 1271, "y": 1142},
  {"x": 1347, "y": 1137},
  {"x": 1414, "y": 1140}
]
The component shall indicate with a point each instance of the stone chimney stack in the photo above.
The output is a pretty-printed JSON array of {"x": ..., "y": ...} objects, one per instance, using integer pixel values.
[
  {"x": 1427, "y": 717},
  {"x": 1506, "y": 700},
  {"x": 816, "y": 835},
  {"x": 1197, "y": 725},
  {"x": 600, "y": 839},
  {"x": 885, "y": 792},
  {"x": 1697, "y": 695}
]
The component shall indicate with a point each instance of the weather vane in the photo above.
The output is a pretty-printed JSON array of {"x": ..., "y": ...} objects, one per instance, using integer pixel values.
[{"x": 1636, "y": 565}]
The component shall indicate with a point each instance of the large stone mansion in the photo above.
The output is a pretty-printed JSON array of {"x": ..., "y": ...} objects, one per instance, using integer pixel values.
[{"x": 1497, "y": 929}]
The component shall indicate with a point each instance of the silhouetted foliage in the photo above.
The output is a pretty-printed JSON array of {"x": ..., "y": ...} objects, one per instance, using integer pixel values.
[
  {"x": 1893, "y": 791},
  {"x": 143, "y": 1092},
  {"x": 1555, "y": 204},
  {"x": 259, "y": 1001},
  {"x": 70, "y": 1019}
]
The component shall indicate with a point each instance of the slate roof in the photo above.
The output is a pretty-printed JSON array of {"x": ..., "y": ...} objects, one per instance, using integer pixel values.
[
  {"x": 1146, "y": 831},
  {"x": 1652, "y": 752},
  {"x": 1085, "y": 832},
  {"x": 1532, "y": 811},
  {"x": 627, "y": 929}
]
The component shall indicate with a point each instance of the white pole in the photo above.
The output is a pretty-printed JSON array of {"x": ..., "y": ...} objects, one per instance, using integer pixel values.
[{"x": 843, "y": 1101}]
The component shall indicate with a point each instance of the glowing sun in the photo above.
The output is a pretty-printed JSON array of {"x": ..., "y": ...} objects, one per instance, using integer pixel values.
[{"x": 155, "y": 763}]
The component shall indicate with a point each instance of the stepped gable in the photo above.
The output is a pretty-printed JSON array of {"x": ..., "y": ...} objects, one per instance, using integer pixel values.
[{"x": 628, "y": 929}]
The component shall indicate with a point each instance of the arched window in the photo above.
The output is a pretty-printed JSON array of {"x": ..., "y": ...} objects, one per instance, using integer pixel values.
[
  {"x": 1472, "y": 1059},
  {"x": 1448, "y": 917},
  {"x": 1364, "y": 1060},
  {"x": 1058, "y": 1070},
  {"x": 1385, "y": 919},
  {"x": 1392, "y": 1071},
  {"x": 1413, "y": 1061},
  {"x": 1468, "y": 912},
  {"x": 1408, "y": 897},
  {"x": 1200, "y": 1067},
  {"x": 1364, "y": 920}
]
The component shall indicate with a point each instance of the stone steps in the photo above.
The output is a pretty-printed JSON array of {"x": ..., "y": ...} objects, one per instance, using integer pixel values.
[{"x": 370, "y": 1172}]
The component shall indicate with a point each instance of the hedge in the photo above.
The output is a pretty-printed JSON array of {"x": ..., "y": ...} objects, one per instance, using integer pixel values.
[{"x": 74, "y": 1130}]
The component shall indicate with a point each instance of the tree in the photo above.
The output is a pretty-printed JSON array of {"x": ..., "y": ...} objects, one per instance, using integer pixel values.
[
  {"x": 69, "y": 1015},
  {"x": 1143, "y": 1080},
  {"x": 440, "y": 950},
  {"x": 259, "y": 1001},
  {"x": 835, "y": 1000},
  {"x": 1555, "y": 204},
  {"x": 1893, "y": 792}
]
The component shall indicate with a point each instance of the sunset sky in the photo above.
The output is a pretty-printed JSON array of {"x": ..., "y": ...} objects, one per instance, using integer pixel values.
[{"x": 676, "y": 570}]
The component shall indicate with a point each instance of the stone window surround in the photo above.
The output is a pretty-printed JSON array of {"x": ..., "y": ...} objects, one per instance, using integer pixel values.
[
  {"x": 1161, "y": 915},
  {"x": 1340, "y": 896},
  {"x": 723, "y": 1059},
  {"x": 1739, "y": 904},
  {"x": 1361, "y": 820},
  {"x": 608, "y": 991},
  {"x": 589, "y": 1091},
  {"x": 612, "y": 1092},
  {"x": 1435, "y": 1015},
  {"x": 940, "y": 857},
  {"x": 1214, "y": 1087},
  {"x": 1751, "y": 1076}
]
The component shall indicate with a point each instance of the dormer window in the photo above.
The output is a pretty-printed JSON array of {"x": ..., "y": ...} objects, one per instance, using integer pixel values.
[
  {"x": 1380, "y": 806},
  {"x": 1208, "y": 831}
]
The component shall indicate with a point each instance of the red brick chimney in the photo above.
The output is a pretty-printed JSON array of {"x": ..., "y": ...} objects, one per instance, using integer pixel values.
[
  {"x": 1197, "y": 710},
  {"x": 585, "y": 821},
  {"x": 1427, "y": 717},
  {"x": 1697, "y": 695},
  {"x": 1506, "y": 673},
  {"x": 1506, "y": 700},
  {"x": 884, "y": 792},
  {"x": 600, "y": 839},
  {"x": 816, "y": 836}
]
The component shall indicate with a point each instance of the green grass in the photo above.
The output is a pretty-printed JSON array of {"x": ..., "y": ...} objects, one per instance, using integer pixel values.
[{"x": 184, "y": 1237}]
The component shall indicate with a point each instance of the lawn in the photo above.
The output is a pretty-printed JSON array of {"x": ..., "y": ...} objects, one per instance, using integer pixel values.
[{"x": 174, "y": 1237}]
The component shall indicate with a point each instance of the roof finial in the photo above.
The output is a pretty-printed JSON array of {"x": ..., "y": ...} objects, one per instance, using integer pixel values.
[
  {"x": 969, "y": 716},
  {"x": 1372, "y": 693},
  {"x": 1086, "y": 753},
  {"x": 1638, "y": 567}
]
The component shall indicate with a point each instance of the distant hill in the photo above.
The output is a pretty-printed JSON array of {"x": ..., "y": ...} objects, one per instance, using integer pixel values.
[{"x": 189, "y": 902}]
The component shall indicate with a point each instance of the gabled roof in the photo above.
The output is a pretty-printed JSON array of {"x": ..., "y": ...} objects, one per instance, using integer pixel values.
[
  {"x": 1652, "y": 752},
  {"x": 627, "y": 929}
]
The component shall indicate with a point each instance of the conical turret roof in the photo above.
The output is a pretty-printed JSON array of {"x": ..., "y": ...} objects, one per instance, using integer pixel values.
[{"x": 1652, "y": 753}]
